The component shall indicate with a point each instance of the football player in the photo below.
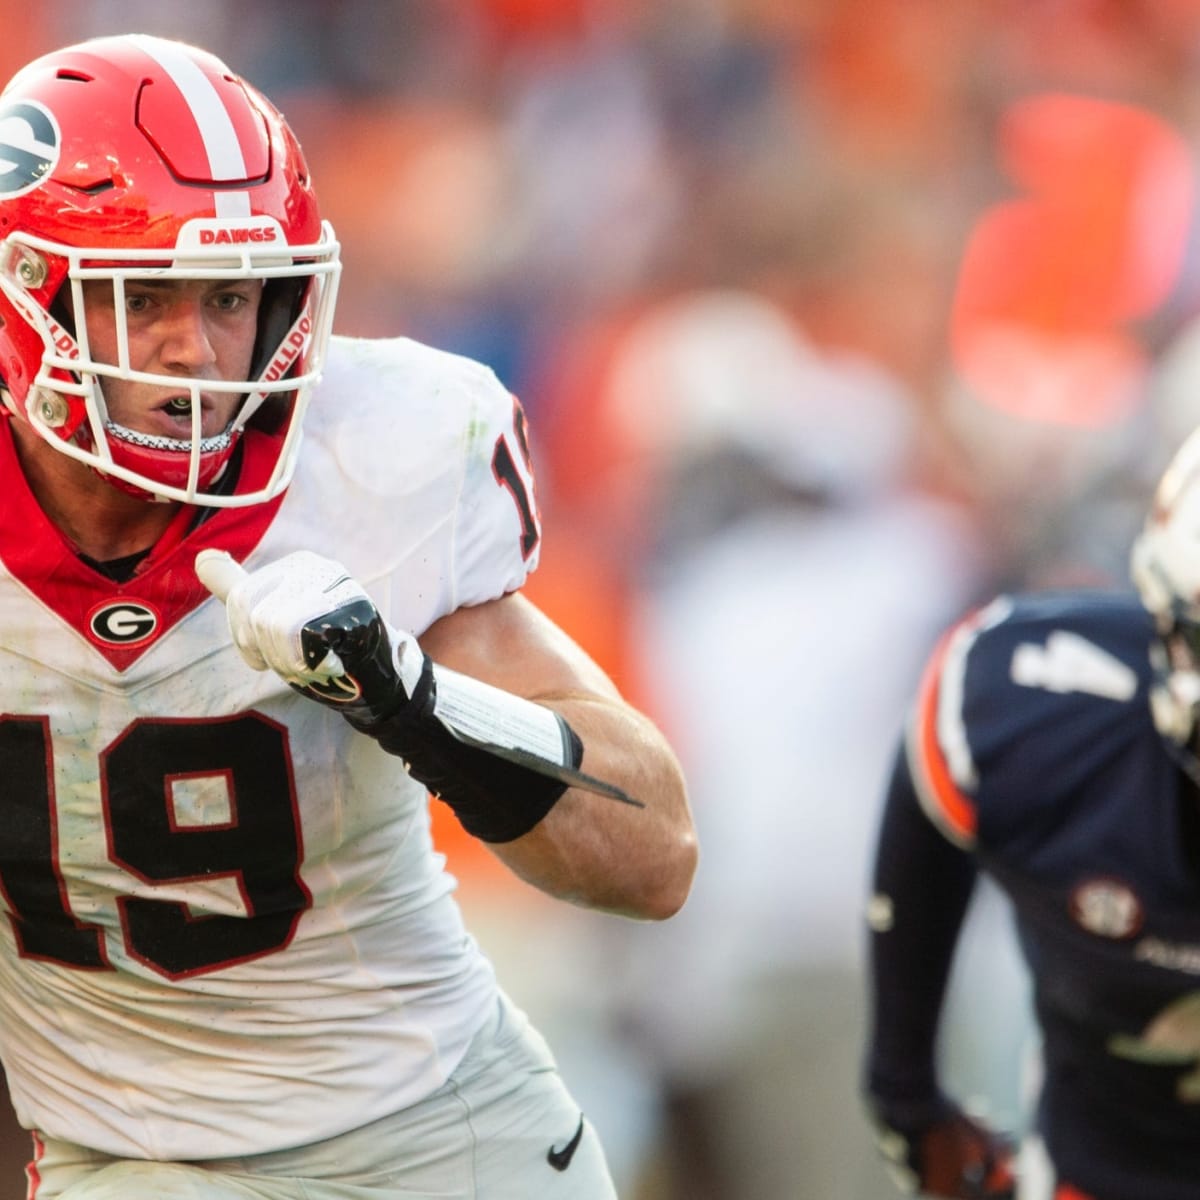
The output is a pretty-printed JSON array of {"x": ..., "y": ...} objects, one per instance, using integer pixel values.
[
  {"x": 1053, "y": 745},
  {"x": 259, "y": 596}
]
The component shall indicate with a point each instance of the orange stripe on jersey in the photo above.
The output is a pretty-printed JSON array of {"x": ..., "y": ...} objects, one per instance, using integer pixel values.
[{"x": 954, "y": 810}]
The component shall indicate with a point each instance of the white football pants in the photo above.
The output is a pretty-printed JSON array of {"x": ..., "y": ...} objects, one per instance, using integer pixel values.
[{"x": 503, "y": 1127}]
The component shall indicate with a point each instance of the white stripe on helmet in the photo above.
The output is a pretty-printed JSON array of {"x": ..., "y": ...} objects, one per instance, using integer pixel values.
[{"x": 221, "y": 145}]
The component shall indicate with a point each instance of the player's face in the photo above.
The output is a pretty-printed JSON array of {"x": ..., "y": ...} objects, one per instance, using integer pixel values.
[{"x": 198, "y": 328}]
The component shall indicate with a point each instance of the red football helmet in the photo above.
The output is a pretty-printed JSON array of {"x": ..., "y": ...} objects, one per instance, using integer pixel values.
[{"x": 134, "y": 157}]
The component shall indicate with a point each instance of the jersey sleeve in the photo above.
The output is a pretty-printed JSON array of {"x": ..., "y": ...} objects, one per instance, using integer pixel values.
[
  {"x": 416, "y": 475},
  {"x": 924, "y": 875},
  {"x": 497, "y": 524},
  {"x": 921, "y": 887},
  {"x": 1022, "y": 705},
  {"x": 939, "y": 751}
]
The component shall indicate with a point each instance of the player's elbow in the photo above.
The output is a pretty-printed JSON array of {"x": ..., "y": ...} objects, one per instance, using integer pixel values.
[
  {"x": 647, "y": 886},
  {"x": 666, "y": 888}
]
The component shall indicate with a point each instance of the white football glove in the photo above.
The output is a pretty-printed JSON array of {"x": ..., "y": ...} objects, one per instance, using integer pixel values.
[
  {"x": 498, "y": 760},
  {"x": 305, "y": 618}
]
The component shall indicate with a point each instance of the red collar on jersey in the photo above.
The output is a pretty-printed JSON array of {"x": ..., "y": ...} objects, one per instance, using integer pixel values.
[{"x": 123, "y": 620}]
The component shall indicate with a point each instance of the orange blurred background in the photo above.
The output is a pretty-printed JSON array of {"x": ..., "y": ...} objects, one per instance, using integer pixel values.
[{"x": 992, "y": 204}]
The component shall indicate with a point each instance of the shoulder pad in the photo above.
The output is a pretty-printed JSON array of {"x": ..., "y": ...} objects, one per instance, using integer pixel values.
[{"x": 1017, "y": 689}]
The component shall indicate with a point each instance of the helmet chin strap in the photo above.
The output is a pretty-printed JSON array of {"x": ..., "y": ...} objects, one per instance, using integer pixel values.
[
  {"x": 151, "y": 441},
  {"x": 154, "y": 457},
  {"x": 157, "y": 458}
]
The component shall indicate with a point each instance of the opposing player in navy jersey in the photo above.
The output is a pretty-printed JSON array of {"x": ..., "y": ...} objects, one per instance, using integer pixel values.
[
  {"x": 259, "y": 596},
  {"x": 1053, "y": 745}
]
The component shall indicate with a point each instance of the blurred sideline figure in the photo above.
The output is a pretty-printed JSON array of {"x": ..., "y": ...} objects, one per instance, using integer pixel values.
[
  {"x": 794, "y": 582},
  {"x": 1053, "y": 746}
]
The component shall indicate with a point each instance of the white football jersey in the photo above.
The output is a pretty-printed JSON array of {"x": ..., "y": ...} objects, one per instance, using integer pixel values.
[{"x": 228, "y": 931}]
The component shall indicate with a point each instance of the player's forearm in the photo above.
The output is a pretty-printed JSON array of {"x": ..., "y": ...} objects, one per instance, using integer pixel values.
[
  {"x": 512, "y": 726},
  {"x": 921, "y": 887},
  {"x": 598, "y": 852}
]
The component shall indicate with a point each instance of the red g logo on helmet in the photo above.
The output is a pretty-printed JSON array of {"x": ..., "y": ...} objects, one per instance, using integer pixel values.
[{"x": 30, "y": 145}]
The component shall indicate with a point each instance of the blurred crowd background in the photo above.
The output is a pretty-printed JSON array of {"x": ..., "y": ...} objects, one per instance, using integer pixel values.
[{"x": 831, "y": 318}]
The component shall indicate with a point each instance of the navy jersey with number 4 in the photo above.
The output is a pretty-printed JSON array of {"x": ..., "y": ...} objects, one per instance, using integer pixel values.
[{"x": 1032, "y": 749}]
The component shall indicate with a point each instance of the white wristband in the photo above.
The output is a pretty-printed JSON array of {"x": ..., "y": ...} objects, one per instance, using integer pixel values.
[{"x": 490, "y": 716}]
